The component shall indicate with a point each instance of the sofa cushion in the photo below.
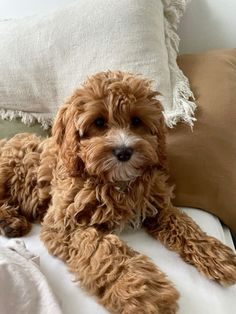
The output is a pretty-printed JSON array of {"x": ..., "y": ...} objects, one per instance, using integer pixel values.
[
  {"x": 203, "y": 161},
  {"x": 10, "y": 128}
]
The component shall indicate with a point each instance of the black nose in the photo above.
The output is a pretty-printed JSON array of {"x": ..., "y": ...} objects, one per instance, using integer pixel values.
[{"x": 123, "y": 153}]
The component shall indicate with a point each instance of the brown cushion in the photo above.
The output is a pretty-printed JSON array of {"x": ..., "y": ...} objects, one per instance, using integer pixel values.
[{"x": 203, "y": 162}]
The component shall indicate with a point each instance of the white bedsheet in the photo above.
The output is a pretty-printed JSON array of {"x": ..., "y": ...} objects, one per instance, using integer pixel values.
[{"x": 198, "y": 294}]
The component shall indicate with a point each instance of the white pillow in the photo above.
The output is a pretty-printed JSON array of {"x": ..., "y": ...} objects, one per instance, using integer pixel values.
[{"x": 43, "y": 58}]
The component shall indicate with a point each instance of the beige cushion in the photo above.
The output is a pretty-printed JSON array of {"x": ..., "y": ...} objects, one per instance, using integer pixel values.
[
  {"x": 203, "y": 162},
  {"x": 10, "y": 128},
  {"x": 45, "y": 57}
]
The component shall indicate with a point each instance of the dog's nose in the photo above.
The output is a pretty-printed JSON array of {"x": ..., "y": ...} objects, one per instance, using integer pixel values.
[{"x": 123, "y": 153}]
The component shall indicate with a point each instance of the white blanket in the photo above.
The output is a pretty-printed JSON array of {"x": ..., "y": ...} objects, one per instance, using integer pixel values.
[
  {"x": 198, "y": 294},
  {"x": 23, "y": 288}
]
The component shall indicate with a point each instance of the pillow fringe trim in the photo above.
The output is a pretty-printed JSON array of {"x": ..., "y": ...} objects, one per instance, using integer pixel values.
[
  {"x": 28, "y": 118},
  {"x": 183, "y": 108}
]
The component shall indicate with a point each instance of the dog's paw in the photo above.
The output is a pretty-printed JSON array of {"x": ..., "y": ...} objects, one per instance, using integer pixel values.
[
  {"x": 161, "y": 305},
  {"x": 215, "y": 260},
  {"x": 223, "y": 264},
  {"x": 142, "y": 288},
  {"x": 14, "y": 227}
]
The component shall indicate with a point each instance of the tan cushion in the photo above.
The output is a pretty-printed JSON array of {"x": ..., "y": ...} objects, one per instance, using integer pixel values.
[
  {"x": 10, "y": 128},
  {"x": 203, "y": 162}
]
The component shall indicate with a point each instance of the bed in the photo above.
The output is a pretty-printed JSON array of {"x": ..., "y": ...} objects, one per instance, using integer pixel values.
[{"x": 198, "y": 294}]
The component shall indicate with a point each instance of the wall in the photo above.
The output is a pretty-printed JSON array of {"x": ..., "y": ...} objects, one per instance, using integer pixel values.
[
  {"x": 19, "y": 8},
  {"x": 208, "y": 24}
]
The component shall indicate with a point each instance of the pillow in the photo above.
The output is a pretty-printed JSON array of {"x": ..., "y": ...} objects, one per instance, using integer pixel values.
[
  {"x": 45, "y": 57},
  {"x": 203, "y": 162}
]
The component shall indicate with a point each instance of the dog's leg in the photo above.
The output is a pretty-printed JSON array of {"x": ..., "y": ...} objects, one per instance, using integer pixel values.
[
  {"x": 123, "y": 280},
  {"x": 181, "y": 234},
  {"x": 12, "y": 223}
]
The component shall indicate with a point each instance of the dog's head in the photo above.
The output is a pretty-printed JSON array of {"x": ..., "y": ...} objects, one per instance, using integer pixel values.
[{"x": 112, "y": 127}]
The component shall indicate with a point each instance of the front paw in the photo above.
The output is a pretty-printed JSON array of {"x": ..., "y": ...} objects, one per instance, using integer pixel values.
[
  {"x": 141, "y": 288},
  {"x": 215, "y": 260},
  {"x": 166, "y": 306}
]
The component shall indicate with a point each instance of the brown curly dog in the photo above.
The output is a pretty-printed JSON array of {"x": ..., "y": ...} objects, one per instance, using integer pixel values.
[{"x": 103, "y": 168}]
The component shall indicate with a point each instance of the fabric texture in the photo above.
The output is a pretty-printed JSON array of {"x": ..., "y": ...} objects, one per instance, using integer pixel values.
[
  {"x": 198, "y": 294},
  {"x": 23, "y": 288},
  {"x": 10, "y": 128},
  {"x": 202, "y": 162},
  {"x": 45, "y": 57}
]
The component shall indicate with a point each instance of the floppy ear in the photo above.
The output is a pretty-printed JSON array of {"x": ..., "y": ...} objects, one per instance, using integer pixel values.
[
  {"x": 59, "y": 125},
  {"x": 160, "y": 131},
  {"x": 67, "y": 138},
  {"x": 161, "y": 138},
  {"x": 158, "y": 123}
]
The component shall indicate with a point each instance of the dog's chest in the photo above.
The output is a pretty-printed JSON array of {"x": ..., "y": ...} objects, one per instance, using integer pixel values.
[{"x": 130, "y": 206}]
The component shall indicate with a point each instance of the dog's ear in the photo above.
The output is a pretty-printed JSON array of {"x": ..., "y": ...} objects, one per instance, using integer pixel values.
[
  {"x": 59, "y": 125},
  {"x": 67, "y": 138},
  {"x": 160, "y": 131},
  {"x": 161, "y": 138}
]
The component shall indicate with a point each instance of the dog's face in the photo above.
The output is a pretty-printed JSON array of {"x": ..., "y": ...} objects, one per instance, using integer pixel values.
[{"x": 112, "y": 127}]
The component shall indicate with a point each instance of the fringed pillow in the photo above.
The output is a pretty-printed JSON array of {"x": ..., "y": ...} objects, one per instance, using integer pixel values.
[{"x": 45, "y": 57}]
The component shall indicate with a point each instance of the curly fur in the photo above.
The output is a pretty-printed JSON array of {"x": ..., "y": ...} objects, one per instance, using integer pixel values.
[{"x": 85, "y": 194}]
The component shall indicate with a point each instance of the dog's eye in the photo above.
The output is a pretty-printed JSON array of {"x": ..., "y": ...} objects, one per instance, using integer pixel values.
[
  {"x": 136, "y": 121},
  {"x": 100, "y": 122}
]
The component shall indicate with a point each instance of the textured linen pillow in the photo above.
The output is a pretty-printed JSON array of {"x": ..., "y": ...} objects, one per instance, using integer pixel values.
[
  {"x": 203, "y": 162},
  {"x": 45, "y": 57}
]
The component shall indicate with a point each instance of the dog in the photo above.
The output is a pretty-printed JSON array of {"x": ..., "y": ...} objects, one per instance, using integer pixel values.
[{"x": 105, "y": 168}]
